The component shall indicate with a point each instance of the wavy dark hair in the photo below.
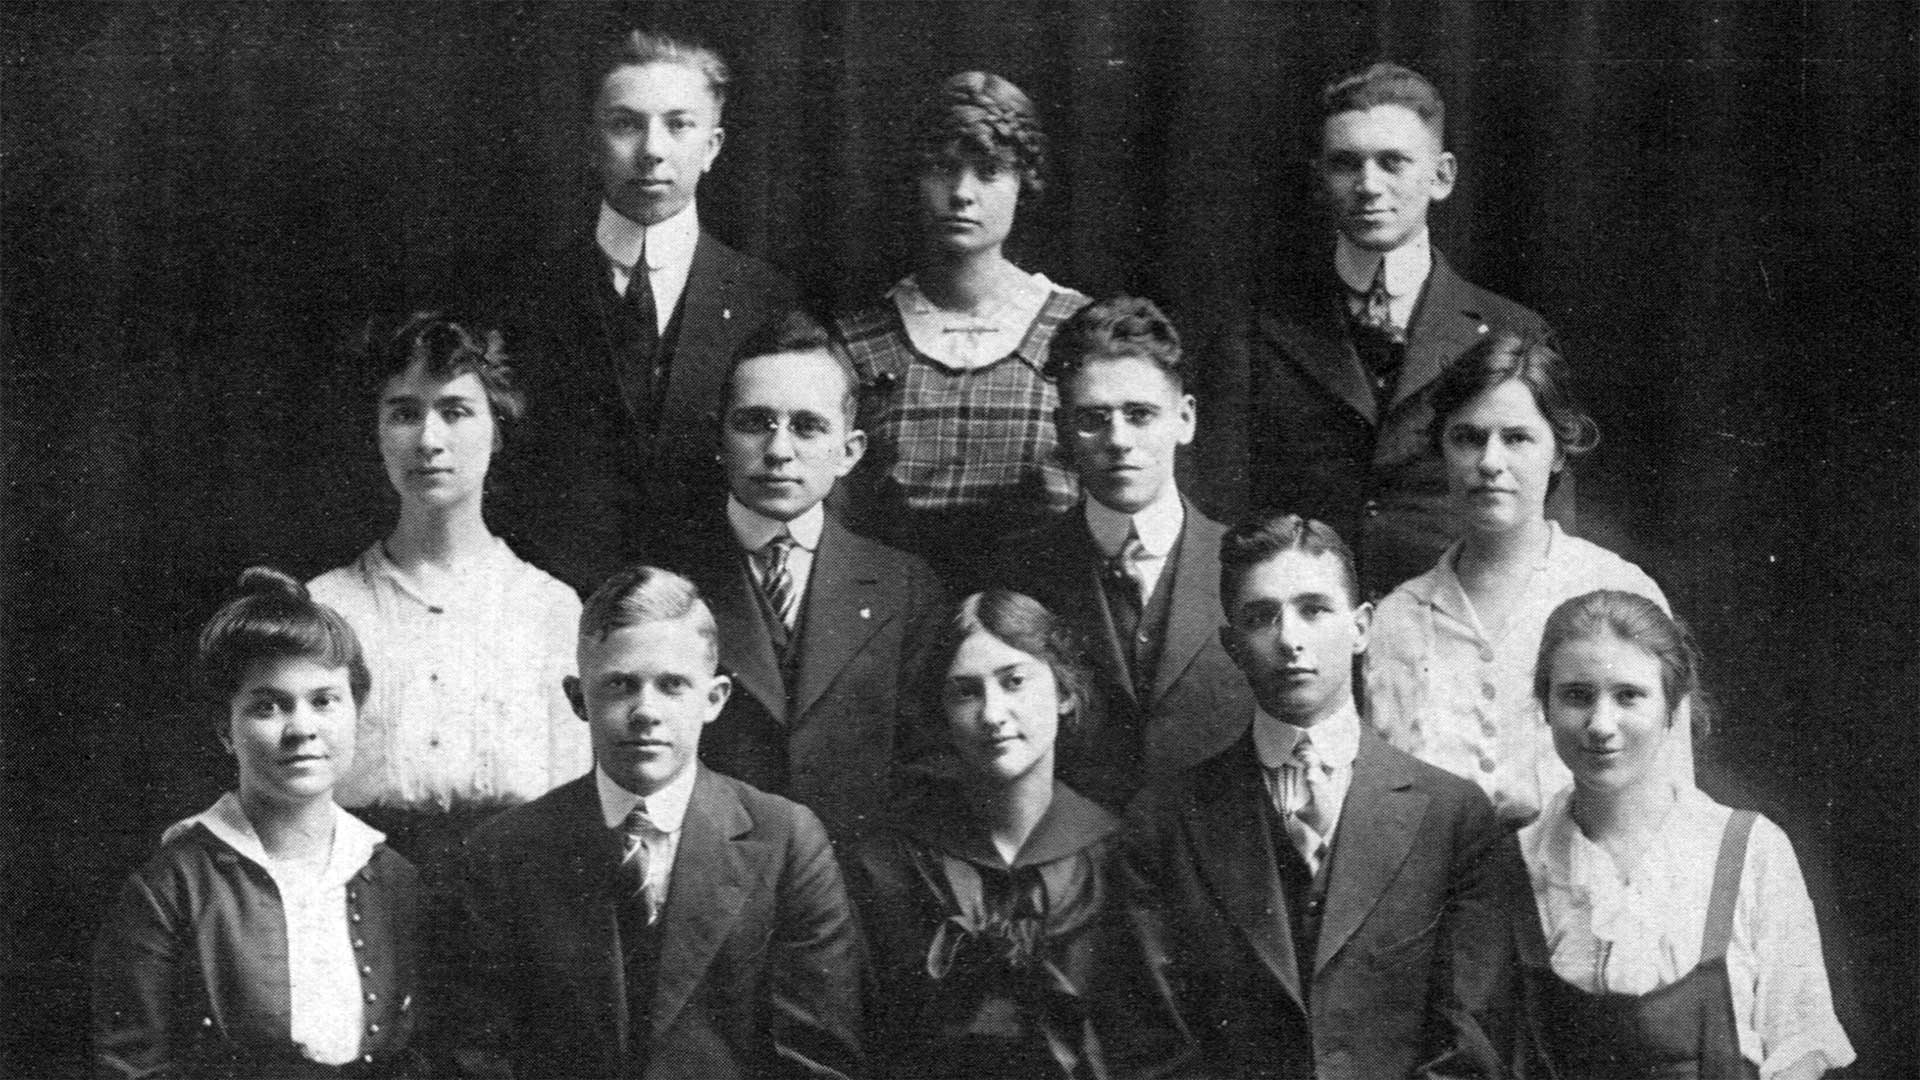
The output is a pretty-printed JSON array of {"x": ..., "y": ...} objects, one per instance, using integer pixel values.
[
  {"x": 271, "y": 616},
  {"x": 1534, "y": 364},
  {"x": 1025, "y": 624},
  {"x": 978, "y": 116}
]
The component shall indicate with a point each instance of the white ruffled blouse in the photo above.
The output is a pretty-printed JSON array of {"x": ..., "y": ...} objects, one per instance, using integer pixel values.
[{"x": 1612, "y": 936}]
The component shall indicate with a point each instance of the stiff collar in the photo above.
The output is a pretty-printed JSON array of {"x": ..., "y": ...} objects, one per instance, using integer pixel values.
[
  {"x": 1337, "y": 738},
  {"x": 670, "y": 243},
  {"x": 1407, "y": 265},
  {"x": 1158, "y": 524},
  {"x": 666, "y": 807},
  {"x": 753, "y": 529},
  {"x": 1072, "y": 822},
  {"x": 353, "y": 839}
]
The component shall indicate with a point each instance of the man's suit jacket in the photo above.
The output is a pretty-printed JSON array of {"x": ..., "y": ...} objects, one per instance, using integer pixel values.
[
  {"x": 1292, "y": 423},
  {"x": 1199, "y": 703},
  {"x": 1414, "y": 972},
  {"x": 760, "y": 965},
  {"x": 833, "y": 736},
  {"x": 588, "y": 479}
]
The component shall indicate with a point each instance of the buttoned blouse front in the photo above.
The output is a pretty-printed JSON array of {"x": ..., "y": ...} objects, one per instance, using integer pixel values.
[
  {"x": 1611, "y": 936},
  {"x": 1449, "y": 693},
  {"x": 466, "y": 707}
]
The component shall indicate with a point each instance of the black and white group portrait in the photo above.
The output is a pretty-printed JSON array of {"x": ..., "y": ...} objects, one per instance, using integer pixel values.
[{"x": 855, "y": 540}]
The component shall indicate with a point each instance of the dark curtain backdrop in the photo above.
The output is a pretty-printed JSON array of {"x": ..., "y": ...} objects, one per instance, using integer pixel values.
[{"x": 1715, "y": 203}]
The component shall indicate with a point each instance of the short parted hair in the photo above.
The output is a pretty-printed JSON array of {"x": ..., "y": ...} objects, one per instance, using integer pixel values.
[
  {"x": 1264, "y": 536},
  {"x": 796, "y": 332},
  {"x": 637, "y": 48},
  {"x": 271, "y": 616},
  {"x": 1115, "y": 329},
  {"x": 982, "y": 118},
  {"x": 1495, "y": 359},
  {"x": 446, "y": 347},
  {"x": 1637, "y": 620},
  {"x": 1024, "y": 623},
  {"x": 1386, "y": 84},
  {"x": 644, "y": 594}
]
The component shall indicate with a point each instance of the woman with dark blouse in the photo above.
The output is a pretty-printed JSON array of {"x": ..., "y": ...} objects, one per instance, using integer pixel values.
[
  {"x": 988, "y": 905},
  {"x": 273, "y": 934}
]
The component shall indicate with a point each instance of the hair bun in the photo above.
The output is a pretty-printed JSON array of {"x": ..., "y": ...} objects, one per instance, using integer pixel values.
[{"x": 267, "y": 581}]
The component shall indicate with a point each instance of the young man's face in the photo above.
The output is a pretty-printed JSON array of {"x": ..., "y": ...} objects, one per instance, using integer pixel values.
[
  {"x": 1380, "y": 170},
  {"x": 1121, "y": 420},
  {"x": 1293, "y": 630},
  {"x": 784, "y": 440},
  {"x": 647, "y": 690},
  {"x": 656, "y": 133}
]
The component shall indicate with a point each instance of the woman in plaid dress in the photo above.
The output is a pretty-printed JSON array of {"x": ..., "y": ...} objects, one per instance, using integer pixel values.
[{"x": 958, "y": 416}]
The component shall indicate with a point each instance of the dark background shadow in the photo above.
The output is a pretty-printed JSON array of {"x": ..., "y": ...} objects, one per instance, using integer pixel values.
[{"x": 1714, "y": 203}]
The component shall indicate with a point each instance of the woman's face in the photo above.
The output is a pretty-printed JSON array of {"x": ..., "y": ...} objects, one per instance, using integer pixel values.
[
  {"x": 1003, "y": 708},
  {"x": 1501, "y": 455},
  {"x": 291, "y": 725},
  {"x": 968, "y": 203},
  {"x": 1608, "y": 711},
  {"x": 436, "y": 436}
]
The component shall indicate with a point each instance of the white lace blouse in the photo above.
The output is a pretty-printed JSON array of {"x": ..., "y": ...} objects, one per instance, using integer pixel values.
[
  {"x": 1610, "y": 936},
  {"x": 466, "y": 706}
]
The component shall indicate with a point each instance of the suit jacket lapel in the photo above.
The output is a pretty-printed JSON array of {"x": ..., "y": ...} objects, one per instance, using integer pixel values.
[
  {"x": 700, "y": 351},
  {"x": 1315, "y": 337},
  {"x": 746, "y": 646},
  {"x": 1084, "y": 561},
  {"x": 711, "y": 875},
  {"x": 1193, "y": 618},
  {"x": 1445, "y": 325},
  {"x": 584, "y": 855},
  {"x": 1233, "y": 848},
  {"x": 1377, "y": 826},
  {"x": 845, "y": 606}
]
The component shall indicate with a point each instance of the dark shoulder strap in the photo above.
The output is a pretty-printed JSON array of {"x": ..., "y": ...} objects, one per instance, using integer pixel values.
[{"x": 1726, "y": 885}]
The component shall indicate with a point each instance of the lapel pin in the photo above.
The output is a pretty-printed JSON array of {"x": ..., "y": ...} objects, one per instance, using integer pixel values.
[
  {"x": 866, "y": 613},
  {"x": 1483, "y": 328},
  {"x": 726, "y": 313}
]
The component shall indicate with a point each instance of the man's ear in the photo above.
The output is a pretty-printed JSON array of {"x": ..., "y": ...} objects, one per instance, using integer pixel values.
[
  {"x": 1446, "y": 169},
  {"x": 856, "y": 449},
  {"x": 717, "y": 694},
  {"x": 571, "y": 687},
  {"x": 1362, "y": 625}
]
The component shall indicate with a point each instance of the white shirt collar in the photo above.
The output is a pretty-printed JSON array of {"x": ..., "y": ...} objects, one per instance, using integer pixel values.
[
  {"x": 669, "y": 243},
  {"x": 1337, "y": 738},
  {"x": 353, "y": 839},
  {"x": 666, "y": 807},
  {"x": 1158, "y": 524},
  {"x": 754, "y": 529},
  {"x": 1407, "y": 265}
]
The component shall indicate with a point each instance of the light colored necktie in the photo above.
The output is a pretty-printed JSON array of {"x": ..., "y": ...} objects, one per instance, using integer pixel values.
[
  {"x": 1307, "y": 791},
  {"x": 777, "y": 578},
  {"x": 1129, "y": 566},
  {"x": 1376, "y": 304},
  {"x": 637, "y": 835}
]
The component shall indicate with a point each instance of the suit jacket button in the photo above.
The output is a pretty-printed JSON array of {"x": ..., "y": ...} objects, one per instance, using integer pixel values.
[{"x": 372, "y": 997}]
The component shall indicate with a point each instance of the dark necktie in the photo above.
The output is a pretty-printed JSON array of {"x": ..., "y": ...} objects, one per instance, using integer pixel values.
[
  {"x": 1375, "y": 338},
  {"x": 1124, "y": 580},
  {"x": 640, "y": 305}
]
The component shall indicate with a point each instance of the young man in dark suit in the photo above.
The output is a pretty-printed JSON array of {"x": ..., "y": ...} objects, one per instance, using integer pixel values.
[
  {"x": 821, "y": 629},
  {"x": 625, "y": 333},
  {"x": 1320, "y": 400},
  {"x": 653, "y": 918},
  {"x": 1134, "y": 569},
  {"x": 1316, "y": 902}
]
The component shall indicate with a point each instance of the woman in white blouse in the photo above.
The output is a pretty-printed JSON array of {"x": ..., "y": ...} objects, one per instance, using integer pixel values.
[
  {"x": 1680, "y": 931},
  {"x": 273, "y": 934},
  {"x": 1449, "y": 666},
  {"x": 467, "y": 643}
]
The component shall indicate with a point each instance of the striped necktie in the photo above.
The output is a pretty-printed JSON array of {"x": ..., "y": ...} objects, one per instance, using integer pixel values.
[
  {"x": 637, "y": 834},
  {"x": 777, "y": 578}
]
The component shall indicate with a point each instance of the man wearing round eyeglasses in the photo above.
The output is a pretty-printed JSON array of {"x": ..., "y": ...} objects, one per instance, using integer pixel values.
[
  {"x": 819, "y": 627},
  {"x": 1135, "y": 567}
]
